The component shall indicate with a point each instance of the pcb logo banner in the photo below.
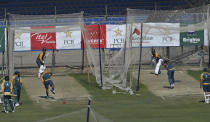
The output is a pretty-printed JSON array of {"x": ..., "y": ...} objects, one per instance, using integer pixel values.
[
  {"x": 68, "y": 39},
  {"x": 115, "y": 35},
  {"x": 40, "y": 40},
  {"x": 22, "y": 41}
]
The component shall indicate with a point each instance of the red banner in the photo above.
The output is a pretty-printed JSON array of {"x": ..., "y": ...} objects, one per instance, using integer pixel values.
[
  {"x": 94, "y": 33},
  {"x": 41, "y": 40}
]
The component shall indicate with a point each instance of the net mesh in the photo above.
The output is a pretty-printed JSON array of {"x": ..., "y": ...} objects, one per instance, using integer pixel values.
[
  {"x": 44, "y": 29},
  {"x": 112, "y": 50}
]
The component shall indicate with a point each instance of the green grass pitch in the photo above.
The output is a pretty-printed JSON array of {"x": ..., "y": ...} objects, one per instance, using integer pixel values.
[{"x": 144, "y": 107}]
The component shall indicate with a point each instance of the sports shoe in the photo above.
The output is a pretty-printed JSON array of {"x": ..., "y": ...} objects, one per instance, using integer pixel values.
[
  {"x": 17, "y": 104},
  {"x": 172, "y": 86},
  {"x": 6, "y": 112},
  {"x": 13, "y": 111},
  {"x": 53, "y": 91}
]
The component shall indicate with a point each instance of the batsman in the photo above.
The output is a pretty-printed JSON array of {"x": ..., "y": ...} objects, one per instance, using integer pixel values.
[
  {"x": 159, "y": 61},
  {"x": 41, "y": 60}
]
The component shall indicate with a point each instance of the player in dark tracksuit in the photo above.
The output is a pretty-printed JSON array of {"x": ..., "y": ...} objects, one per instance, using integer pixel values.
[
  {"x": 40, "y": 60},
  {"x": 17, "y": 84},
  {"x": 170, "y": 73},
  {"x": 204, "y": 82},
  {"x": 46, "y": 80},
  {"x": 7, "y": 88}
]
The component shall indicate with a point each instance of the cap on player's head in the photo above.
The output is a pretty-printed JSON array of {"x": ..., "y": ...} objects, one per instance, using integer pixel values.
[
  {"x": 6, "y": 78},
  {"x": 17, "y": 72},
  {"x": 205, "y": 69},
  {"x": 44, "y": 49}
]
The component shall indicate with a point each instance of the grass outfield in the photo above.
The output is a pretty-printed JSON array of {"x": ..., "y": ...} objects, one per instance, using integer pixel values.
[{"x": 144, "y": 107}]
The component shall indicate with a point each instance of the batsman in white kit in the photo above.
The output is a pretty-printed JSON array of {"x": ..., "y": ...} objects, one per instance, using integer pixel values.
[
  {"x": 41, "y": 60},
  {"x": 158, "y": 60}
]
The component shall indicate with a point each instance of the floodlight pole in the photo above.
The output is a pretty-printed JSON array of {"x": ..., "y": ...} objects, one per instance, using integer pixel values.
[
  {"x": 140, "y": 54},
  {"x": 99, "y": 48}
]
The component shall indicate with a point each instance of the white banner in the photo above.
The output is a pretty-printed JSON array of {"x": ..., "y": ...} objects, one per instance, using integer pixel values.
[
  {"x": 22, "y": 41},
  {"x": 115, "y": 36},
  {"x": 68, "y": 40},
  {"x": 156, "y": 34}
]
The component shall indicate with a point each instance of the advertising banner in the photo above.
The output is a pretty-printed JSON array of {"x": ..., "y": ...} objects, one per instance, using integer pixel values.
[
  {"x": 115, "y": 36},
  {"x": 192, "y": 38},
  {"x": 22, "y": 41},
  {"x": 68, "y": 40},
  {"x": 94, "y": 33},
  {"x": 41, "y": 40},
  {"x": 2, "y": 39}
]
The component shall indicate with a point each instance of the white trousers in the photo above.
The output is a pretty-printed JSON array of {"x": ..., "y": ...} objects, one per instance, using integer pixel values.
[{"x": 157, "y": 68}]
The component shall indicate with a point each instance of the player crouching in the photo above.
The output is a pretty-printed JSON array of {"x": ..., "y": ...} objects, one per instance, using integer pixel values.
[
  {"x": 46, "y": 80},
  {"x": 7, "y": 92},
  {"x": 204, "y": 82}
]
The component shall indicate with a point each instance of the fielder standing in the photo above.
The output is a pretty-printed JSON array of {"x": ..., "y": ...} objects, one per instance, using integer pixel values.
[
  {"x": 17, "y": 84},
  {"x": 7, "y": 88},
  {"x": 204, "y": 82}
]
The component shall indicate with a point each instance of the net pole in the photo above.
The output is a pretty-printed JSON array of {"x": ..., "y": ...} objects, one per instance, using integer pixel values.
[
  {"x": 131, "y": 64},
  {"x": 10, "y": 34},
  {"x": 99, "y": 48},
  {"x": 208, "y": 20},
  {"x": 3, "y": 52},
  {"x": 83, "y": 52},
  {"x": 88, "y": 111},
  {"x": 53, "y": 60},
  {"x": 140, "y": 54}
]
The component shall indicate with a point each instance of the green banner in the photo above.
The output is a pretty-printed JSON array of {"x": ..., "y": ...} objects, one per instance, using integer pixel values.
[
  {"x": 2, "y": 39},
  {"x": 192, "y": 38}
]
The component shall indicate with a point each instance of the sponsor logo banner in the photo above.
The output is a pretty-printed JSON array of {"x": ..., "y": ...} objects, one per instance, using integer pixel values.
[
  {"x": 68, "y": 40},
  {"x": 192, "y": 38},
  {"x": 2, "y": 39},
  {"x": 156, "y": 34},
  {"x": 115, "y": 36},
  {"x": 22, "y": 41},
  {"x": 40, "y": 40},
  {"x": 94, "y": 33}
]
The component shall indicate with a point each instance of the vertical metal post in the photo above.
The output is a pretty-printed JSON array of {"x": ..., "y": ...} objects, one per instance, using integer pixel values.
[
  {"x": 208, "y": 20},
  {"x": 99, "y": 48},
  {"x": 83, "y": 54},
  {"x": 10, "y": 45},
  {"x": 88, "y": 111},
  {"x": 168, "y": 52},
  {"x": 53, "y": 60},
  {"x": 140, "y": 54}
]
